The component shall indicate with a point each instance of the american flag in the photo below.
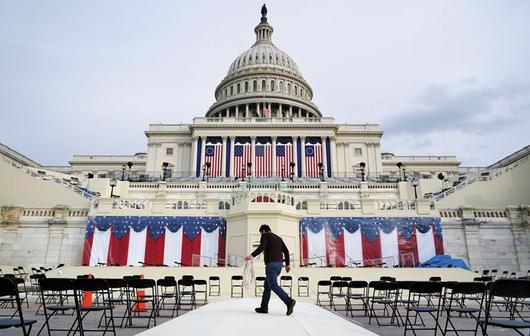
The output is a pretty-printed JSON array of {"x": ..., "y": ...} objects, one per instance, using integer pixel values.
[
  {"x": 214, "y": 154},
  {"x": 313, "y": 156},
  {"x": 241, "y": 157},
  {"x": 284, "y": 156},
  {"x": 263, "y": 164}
]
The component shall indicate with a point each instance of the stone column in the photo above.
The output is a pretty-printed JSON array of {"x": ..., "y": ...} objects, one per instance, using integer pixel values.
[
  {"x": 303, "y": 156},
  {"x": 237, "y": 112},
  {"x": 274, "y": 168},
  {"x": 280, "y": 115},
  {"x": 232, "y": 143},
  {"x": 295, "y": 155},
  {"x": 333, "y": 148},
  {"x": 246, "y": 111},
  {"x": 290, "y": 111},
  {"x": 324, "y": 156},
  {"x": 203, "y": 150},
  {"x": 472, "y": 237},
  {"x": 193, "y": 155},
  {"x": 227, "y": 112},
  {"x": 223, "y": 157},
  {"x": 257, "y": 110},
  {"x": 252, "y": 153}
]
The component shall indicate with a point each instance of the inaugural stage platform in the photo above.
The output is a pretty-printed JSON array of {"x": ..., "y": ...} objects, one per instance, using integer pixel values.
[{"x": 237, "y": 317}]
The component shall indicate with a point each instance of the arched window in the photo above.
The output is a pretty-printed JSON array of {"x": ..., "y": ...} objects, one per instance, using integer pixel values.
[
  {"x": 296, "y": 90},
  {"x": 226, "y": 93},
  {"x": 281, "y": 86},
  {"x": 221, "y": 205},
  {"x": 231, "y": 90},
  {"x": 263, "y": 85},
  {"x": 255, "y": 86},
  {"x": 179, "y": 205},
  {"x": 227, "y": 206},
  {"x": 289, "y": 88},
  {"x": 272, "y": 86},
  {"x": 304, "y": 205},
  {"x": 246, "y": 86},
  {"x": 238, "y": 88}
]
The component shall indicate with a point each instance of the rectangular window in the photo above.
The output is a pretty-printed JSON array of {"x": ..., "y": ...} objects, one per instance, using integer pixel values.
[
  {"x": 358, "y": 152},
  {"x": 169, "y": 151}
]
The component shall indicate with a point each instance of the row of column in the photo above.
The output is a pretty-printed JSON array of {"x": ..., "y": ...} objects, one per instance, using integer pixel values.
[
  {"x": 298, "y": 159},
  {"x": 245, "y": 110}
]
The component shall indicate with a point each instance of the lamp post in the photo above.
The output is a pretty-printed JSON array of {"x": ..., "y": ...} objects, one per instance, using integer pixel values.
[
  {"x": 243, "y": 172},
  {"x": 399, "y": 165},
  {"x": 283, "y": 172},
  {"x": 205, "y": 170},
  {"x": 404, "y": 174},
  {"x": 112, "y": 183},
  {"x": 363, "y": 165},
  {"x": 129, "y": 164},
  {"x": 164, "y": 170},
  {"x": 292, "y": 165},
  {"x": 415, "y": 184},
  {"x": 321, "y": 171},
  {"x": 123, "y": 172},
  {"x": 249, "y": 170}
]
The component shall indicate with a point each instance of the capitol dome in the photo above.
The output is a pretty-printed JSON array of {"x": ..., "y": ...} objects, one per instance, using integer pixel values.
[{"x": 263, "y": 81}]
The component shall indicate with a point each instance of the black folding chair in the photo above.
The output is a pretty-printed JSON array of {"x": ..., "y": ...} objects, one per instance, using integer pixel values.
[
  {"x": 462, "y": 301},
  {"x": 99, "y": 289},
  {"x": 384, "y": 295},
  {"x": 201, "y": 289},
  {"x": 214, "y": 282},
  {"x": 286, "y": 282},
  {"x": 338, "y": 292},
  {"x": 259, "y": 285},
  {"x": 236, "y": 286},
  {"x": 323, "y": 289},
  {"x": 186, "y": 290},
  {"x": 8, "y": 291},
  {"x": 423, "y": 292},
  {"x": 140, "y": 294},
  {"x": 59, "y": 296},
  {"x": 167, "y": 290},
  {"x": 19, "y": 280},
  {"x": 303, "y": 286},
  {"x": 514, "y": 291},
  {"x": 357, "y": 291}
]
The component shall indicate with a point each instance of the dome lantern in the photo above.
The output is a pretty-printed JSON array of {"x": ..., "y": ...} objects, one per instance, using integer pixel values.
[{"x": 264, "y": 29}]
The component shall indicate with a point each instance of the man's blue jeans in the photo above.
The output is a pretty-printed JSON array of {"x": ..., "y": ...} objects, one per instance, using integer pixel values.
[{"x": 272, "y": 271}]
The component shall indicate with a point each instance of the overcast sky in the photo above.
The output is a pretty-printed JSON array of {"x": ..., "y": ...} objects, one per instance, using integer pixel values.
[{"x": 440, "y": 77}]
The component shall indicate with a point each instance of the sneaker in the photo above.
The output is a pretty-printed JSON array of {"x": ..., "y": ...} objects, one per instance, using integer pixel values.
[
  {"x": 261, "y": 310},
  {"x": 290, "y": 306}
]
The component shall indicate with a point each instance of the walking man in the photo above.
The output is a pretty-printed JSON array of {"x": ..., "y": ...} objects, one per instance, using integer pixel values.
[{"x": 272, "y": 247}]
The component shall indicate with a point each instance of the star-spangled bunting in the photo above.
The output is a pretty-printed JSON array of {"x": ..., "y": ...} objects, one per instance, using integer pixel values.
[{"x": 156, "y": 225}]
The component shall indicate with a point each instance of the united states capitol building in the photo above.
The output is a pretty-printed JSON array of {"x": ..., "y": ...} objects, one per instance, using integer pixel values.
[{"x": 265, "y": 153}]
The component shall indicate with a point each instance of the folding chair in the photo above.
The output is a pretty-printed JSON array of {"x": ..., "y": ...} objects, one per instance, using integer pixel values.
[
  {"x": 214, "y": 282},
  {"x": 347, "y": 279},
  {"x": 141, "y": 292},
  {"x": 236, "y": 286},
  {"x": 384, "y": 294},
  {"x": 303, "y": 286},
  {"x": 99, "y": 289},
  {"x": 418, "y": 290},
  {"x": 515, "y": 291},
  {"x": 9, "y": 289},
  {"x": 335, "y": 278},
  {"x": 201, "y": 288},
  {"x": 167, "y": 290},
  {"x": 187, "y": 277},
  {"x": 57, "y": 295},
  {"x": 458, "y": 302},
  {"x": 286, "y": 282},
  {"x": 323, "y": 289},
  {"x": 23, "y": 294},
  {"x": 493, "y": 273},
  {"x": 259, "y": 285},
  {"x": 338, "y": 291},
  {"x": 186, "y": 290},
  {"x": 357, "y": 291}
]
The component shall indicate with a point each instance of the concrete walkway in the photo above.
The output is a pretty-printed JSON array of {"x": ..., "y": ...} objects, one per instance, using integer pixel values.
[{"x": 237, "y": 317}]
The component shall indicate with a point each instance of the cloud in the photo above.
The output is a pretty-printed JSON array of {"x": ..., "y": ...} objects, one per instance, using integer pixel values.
[{"x": 464, "y": 106}]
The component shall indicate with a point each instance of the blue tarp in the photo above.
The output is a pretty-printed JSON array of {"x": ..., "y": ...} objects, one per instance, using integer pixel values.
[{"x": 444, "y": 261}]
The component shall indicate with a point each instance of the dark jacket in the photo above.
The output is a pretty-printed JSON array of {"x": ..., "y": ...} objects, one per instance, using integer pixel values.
[{"x": 273, "y": 248}]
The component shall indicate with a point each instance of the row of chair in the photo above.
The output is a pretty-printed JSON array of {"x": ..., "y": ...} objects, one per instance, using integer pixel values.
[
  {"x": 504, "y": 275},
  {"x": 380, "y": 301}
]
